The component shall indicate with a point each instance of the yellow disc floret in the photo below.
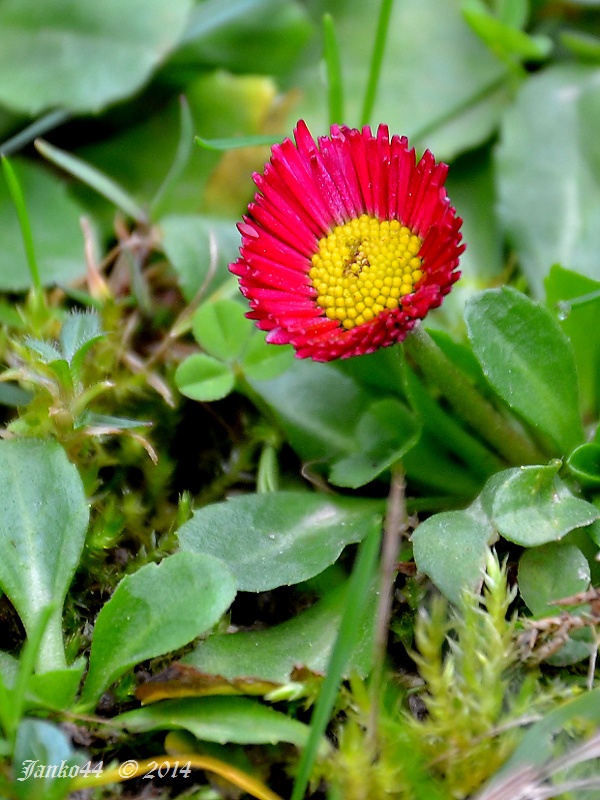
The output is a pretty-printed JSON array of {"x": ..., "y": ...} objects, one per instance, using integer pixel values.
[{"x": 364, "y": 267}]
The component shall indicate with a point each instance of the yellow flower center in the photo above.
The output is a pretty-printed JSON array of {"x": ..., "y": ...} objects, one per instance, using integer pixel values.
[{"x": 364, "y": 267}]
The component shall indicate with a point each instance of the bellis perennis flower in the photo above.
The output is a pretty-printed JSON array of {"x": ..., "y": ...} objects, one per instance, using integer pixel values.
[{"x": 349, "y": 241}]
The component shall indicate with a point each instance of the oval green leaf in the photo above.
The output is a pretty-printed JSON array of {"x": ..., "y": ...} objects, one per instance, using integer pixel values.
[
  {"x": 532, "y": 506},
  {"x": 221, "y": 328},
  {"x": 157, "y": 609},
  {"x": 202, "y": 377},
  {"x": 328, "y": 416},
  {"x": 41, "y": 535},
  {"x": 218, "y": 719},
  {"x": 199, "y": 248},
  {"x": 306, "y": 640},
  {"x": 551, "y": 572},
  {"x": 278, "y": 538},
  {"x": 98, "y": 53},
  {"x": 548, "y": 164},
  {"x": 385, "y": 432},
  {"x": 451, "y": 548},
  {"x": 567, "y": 289},
  {"x": 584, "y": 464},
  {"x": 41, "y": 742},
  {"x": 529, "y": 362},
  {"x": 262, "y": 361}
]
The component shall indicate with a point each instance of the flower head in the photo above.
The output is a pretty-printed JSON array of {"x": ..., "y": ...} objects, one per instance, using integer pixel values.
[{"x": 348, "y": 242}]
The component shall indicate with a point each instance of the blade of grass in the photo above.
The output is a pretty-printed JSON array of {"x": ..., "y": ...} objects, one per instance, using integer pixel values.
[
  {"x": 182, "y": 156},
  {"x": 18, "y": 199},
  {"x": 359, "y": 585},
  {"x": 236, "y": 142},
  {"x": 383, "y": 24},
  {"x": 37, "y": 128},
  {"x": 512, "y": 444},
  {"x": 93, "y": 178},
  {"x": 331, "y": 54}
]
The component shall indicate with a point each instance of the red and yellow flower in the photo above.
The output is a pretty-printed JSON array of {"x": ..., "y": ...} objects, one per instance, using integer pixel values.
[{"x": 348, "y": 242}]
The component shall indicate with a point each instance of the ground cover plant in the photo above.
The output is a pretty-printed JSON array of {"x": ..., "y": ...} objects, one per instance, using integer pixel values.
[{"x": 299, "y": 475}]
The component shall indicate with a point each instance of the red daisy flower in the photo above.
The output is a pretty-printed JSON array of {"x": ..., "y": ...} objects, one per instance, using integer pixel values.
[{"x": 348, "y": 242}]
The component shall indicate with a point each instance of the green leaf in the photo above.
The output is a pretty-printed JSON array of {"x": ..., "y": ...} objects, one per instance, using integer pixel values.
[
  {"x": 532, "y": 506},
  {"x": 98, "y": 53},
  {"x": 564, "y": 290},
  {"x": 41, "y": 536},
  {"x": 260, "y": 37},
  {"x": 385, "y": 432},
  {"x": 583, "y": 45},
  {"x": 79, "y": 331},
  {"x": 451, "y": 548},
  {"x": 218, "y": 719},
  {"x": 214, "y": 14},
  {"x": 584, "y": 464},
  {"x": 319, "y": 407},
  {"x": 513, "y": 12},
  {"x": 89, "y": 419},
  {"x": 201, "y": 377},
  {"x": 47, "y": 351},
  {"x": 471, "y": 187},
  {"x": 548, "y": 168},
  {"x": 221, "y": 328},
  {"x": 45, "y": 744},
  {"x": 56, "y": 689},
  {"x": 54, "y": 219},
  {"x": 305, "y": 640},
  {"x": 502, "y": 37},
  {"x": 188, "y": 241},
  {"x": 456, "y": 108},
  {"x": 159, "y": 608},
  {"x": 262, "y": 361},
  {"x": 13, "y": 395},
  {"x": 529, "y": 362},
  {"x": 447, "y": 431},
  {"x": 540, "y": 743},
  {"x": 551, "y": 572},
  {"x": 278, "y": 538}
]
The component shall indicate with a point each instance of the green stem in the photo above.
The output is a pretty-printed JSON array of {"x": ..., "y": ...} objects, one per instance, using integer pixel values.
[
  {"x": 468, "y": 403},
  {"x": 12, "y": 702},
  {"x": 376, "y": 60},
  {"x": 335, "y": 91},
  {"x": 445, "y": 428}
]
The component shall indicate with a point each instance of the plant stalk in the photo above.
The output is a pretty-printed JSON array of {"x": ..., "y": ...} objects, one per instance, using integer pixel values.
[{"x": 468, "y": 403}]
